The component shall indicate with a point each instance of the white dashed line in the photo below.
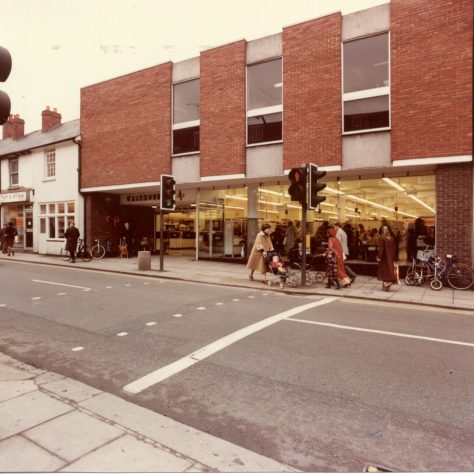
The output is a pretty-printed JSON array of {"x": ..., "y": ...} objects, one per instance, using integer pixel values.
[
  {"x": 61, "y": 284},
  {"x": 200, "y": 308},
  {"x": 2, "y": 305},
  {"x": 77, "y": 349},
  {"x": 121, "y": 334},
  {"x": 177, "y": 315},
  {"x": 86, "y": 289},
  {"x": 146, "y": 283},
  {"x": 151, "y": 323},
  {"x": 127, "y": 284},
  {"x": 36, "y": 298},
  {"x": 185, "y": 362},
  {"x": 108, "y": 287},
  {"x": 251, "y": 297},
  {"x": 62, "y": 294},
  {"x": 236, "y": 299},
  {"x": 219, "y": 304}
]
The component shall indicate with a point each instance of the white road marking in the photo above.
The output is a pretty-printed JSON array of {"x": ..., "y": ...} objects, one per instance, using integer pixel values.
[
  {"x": 219, "y": 304},
  {"x": 146, "y": 283},
  {"x": 177, "y": 315},
  {"x": 77, "y": 349},
  {"x": 127, "y": 284},
  {"x": 121, "y": 334},
  {"x": 61, "y": 284},
  {"x": 2, "y": 305},
  {"x": 386, "y": 333},
  {"x": 159, "y": 375},
  {"x": 36, "y": 298},
  {"x": 108, "y": 287},
  {"x": 201, "y": 308},
  {"x": 251, "y": 297},
  {"x": 62, "y": 294},
  {"x": 236, "y": 299},
  {"x": 151, "y": 323},
  {"x": 264, "y": 294}
]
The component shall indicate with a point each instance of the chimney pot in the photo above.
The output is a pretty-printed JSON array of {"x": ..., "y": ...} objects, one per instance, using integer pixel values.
[
  {"x": 14, "y": 127},
  {"x": 50, "y": 119}
]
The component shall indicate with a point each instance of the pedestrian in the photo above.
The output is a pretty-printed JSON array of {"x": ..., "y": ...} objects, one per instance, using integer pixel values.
[
  {"x": 335, "y": 245},
  {"x": 386, "y": 255},
  {"x": 262, "y": 245},
  {"x": 9, "y": 238},
  {"x": 331, "y": 269},
  {"x": 127, "y": 236},
  {"x": 341, "y": 235},
  {"x": 290, "y": 237},
  {"x": 3, "y": 242},
  {"x": 277, "y": 237},
  {"x": 72, "y": 236}
]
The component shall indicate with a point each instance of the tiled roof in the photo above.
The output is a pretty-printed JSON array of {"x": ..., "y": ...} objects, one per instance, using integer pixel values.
[{"x": 37, "y": 139}]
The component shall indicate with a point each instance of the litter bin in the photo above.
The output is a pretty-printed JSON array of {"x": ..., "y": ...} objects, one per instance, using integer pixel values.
[{"x": 144, "y": 260}]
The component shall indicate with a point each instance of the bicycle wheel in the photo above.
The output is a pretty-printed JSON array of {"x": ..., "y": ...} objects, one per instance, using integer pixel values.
[
  {"x": 97, "y": 251},
  {"x": 412, "y": 278},
  {"x": 65, "y": 255},
  {"x": 460, "y": 276},
  {"x": 436, "y": 284},
  {"x": 85, "y": 254}
]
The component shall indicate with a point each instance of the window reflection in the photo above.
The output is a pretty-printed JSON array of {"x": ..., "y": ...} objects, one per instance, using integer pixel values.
[
  {"x": 366, "y": 113},
  {"x": 264, "y": 84},
  {"x": 264, "y": 128},
  {"x": 186, "y": 101}
]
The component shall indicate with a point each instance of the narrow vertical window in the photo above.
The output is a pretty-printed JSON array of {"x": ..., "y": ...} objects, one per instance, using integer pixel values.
[
  {"x": 14, "y": 172},
  {"x": 50, "y": 163},
  {"x": 366, "y": 85},
  {"x": 264, "y": 102},
  {"x": 186, "y": 121}
]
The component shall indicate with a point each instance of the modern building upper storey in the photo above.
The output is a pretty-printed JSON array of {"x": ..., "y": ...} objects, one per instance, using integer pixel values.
[{"x": 381, "y": 99}]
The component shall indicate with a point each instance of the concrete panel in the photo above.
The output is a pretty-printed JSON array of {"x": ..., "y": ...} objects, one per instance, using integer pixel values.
[
  {"x": 184, "y": 70},
  {"x": 366, "y": 22},
  {"x": 263, "y": 161},
  {"x": 186, "y": 169},
  {"x": 367, "y": 150},
  {"x": 264, "y": 48}
]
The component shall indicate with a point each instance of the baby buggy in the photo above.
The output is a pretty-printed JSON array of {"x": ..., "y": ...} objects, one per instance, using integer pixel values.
[{"x": 278, "y": 269}]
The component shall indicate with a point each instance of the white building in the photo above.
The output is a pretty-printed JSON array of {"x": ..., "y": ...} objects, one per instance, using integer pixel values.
[{"x": 39, "y": 175}]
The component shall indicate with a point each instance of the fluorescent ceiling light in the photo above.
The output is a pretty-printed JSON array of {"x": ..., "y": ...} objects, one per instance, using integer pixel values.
[
  {"x": 273, "y": 193},
  {"x": 393, "y": 184},
  {"x": 234, "y": 196},
  {"x": 234, "y": 207},
  {"x": 332, "y": 190},
  {"x": 268, "y": 212},
  {"x": 419, "y": 201}
]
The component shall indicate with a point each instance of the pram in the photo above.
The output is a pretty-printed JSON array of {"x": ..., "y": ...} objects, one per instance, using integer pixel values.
[
  {"x": 278, "y": 269},
  {"x": 315, "y": 266}
]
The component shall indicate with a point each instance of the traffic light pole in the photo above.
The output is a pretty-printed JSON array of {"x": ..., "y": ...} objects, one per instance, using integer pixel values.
[
  {"x": 162, "y": 240},
  {"x": 303, "y": 244}
]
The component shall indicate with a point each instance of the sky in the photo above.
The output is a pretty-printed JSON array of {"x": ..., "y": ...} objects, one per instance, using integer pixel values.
[{"x": 59, "y": 46}]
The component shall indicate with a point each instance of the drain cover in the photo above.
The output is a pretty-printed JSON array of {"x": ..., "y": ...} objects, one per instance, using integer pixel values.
[{"x": 372, "y": 467}]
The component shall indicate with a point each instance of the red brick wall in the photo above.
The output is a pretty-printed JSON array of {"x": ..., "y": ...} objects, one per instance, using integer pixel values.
[
  {"x": 454, "y": 190},
  {"x": 431, "y": 83},
  {"x": 126, "y": 128},
  {"x": 222, "y": 112},
  {"x": 312, "y": 123}
]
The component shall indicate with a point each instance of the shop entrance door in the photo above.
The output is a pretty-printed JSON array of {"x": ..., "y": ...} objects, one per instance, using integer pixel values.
[{"x": 28, "y": 228}]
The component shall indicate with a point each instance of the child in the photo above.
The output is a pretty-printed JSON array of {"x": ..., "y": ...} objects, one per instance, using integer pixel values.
[
  {"x": 331, "y": 269},
  {"x": 276, "y": 263}
]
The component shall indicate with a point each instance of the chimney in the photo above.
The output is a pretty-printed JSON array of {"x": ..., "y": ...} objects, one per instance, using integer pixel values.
[
  {"x": 14, "y": 127},
  {"x": 51, "y": 118}
]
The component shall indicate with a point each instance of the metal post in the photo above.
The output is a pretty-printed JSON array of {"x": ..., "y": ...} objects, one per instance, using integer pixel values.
[
  {"x": 303, "y": 244},
  {"x": 162, "y": 240}
]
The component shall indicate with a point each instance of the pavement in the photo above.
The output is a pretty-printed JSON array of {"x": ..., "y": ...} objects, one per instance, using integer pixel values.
[{"x": 55, "y": 424}]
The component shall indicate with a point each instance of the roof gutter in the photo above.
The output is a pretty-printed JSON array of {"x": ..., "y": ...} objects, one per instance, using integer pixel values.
[{"x": 77, "y": 140}]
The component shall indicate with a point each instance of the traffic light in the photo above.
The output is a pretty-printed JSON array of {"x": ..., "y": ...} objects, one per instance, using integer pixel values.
[
  {"x": 297, "y": 189},
  {"x": 5, "y": 68},
  {"x": 167, "y": 192},
  {"x": 315, "y": 187}
]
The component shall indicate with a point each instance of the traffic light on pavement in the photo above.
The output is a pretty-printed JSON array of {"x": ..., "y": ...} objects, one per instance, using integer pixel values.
[
  {"x": 5, "y": 68},
  {"x": 167, "y": 192},
  {"x": 297, "y": 189},
  {"x": 315, "y": 187}
]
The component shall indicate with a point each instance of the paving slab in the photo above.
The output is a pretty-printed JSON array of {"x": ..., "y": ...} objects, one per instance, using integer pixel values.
[
  {"x": 71, "y": 389},
  {"x": 26, "y": 411},
  {"x": 73, "y": 435},
  {"x": 209, "y": 450},
  {"x": 21, "y": 455},
  {"x": 130, "y": 455},
  {"x": 8, "y": 373},
  {"x": 16, "y": 388}
]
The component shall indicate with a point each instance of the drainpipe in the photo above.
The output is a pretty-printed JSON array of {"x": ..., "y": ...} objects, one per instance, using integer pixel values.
[{"x": 77, "y": 141}]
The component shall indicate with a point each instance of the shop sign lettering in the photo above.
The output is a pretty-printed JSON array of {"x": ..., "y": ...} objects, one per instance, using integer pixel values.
[
  {"x": 14, "y": 197},
  {"x": 140, "y": 198}
]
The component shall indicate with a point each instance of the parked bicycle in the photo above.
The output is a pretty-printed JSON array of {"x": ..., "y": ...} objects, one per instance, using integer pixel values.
[
  {"x": 439, "y": 272},
  {"x": 97, "y": 250},
  {"x": 82, "y": 252}
]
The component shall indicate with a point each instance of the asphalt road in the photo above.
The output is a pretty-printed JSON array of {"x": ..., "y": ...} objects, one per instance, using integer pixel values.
[{"x": 329, "y": 388}]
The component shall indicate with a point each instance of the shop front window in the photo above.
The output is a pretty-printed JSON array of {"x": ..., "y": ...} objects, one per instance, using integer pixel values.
[{"x": 55, "y": 217}]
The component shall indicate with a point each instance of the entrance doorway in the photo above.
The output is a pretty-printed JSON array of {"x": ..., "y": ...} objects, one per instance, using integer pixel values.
[{"x": 28, "y": 227}]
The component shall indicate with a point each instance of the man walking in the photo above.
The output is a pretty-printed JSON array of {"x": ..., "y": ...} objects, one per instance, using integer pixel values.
[
  {"x": 72, "y": 236},
  {"x": 342, "y": 237}
]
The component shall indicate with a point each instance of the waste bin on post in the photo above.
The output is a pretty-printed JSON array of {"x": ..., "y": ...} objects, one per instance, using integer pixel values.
[{"x": 144, "y": 260}]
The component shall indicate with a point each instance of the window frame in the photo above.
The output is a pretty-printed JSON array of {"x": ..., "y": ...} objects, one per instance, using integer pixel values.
[
  {"x": 48, "y": 153},
  {"x": 55, "y": 217},
  {"x": 272, "y": 109},
  {"x": 367, "y": 93},
  {"x": 188, "y": 124},
  {"x": 17, "y": 174}
]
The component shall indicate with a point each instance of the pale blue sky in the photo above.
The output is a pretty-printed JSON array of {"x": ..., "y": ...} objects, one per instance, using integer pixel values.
[{"x": 59, "y": 46}]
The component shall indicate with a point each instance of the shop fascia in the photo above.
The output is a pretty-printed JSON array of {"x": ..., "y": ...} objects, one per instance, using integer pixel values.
[{"x": 17, "y": 196}]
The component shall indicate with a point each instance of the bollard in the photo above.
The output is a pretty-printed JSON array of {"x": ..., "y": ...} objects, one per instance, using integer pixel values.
[{"x": 144, "y": 260}]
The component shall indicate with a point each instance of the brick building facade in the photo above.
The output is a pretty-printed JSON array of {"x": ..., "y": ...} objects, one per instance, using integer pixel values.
[{"x": 393, "y": 132}]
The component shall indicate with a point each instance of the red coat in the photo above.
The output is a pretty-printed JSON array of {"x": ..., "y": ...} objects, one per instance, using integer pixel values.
[{"x": 386, "y": 255}]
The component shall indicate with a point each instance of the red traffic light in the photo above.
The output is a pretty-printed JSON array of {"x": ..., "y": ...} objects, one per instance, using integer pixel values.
[{"x": 5, "y": 68}]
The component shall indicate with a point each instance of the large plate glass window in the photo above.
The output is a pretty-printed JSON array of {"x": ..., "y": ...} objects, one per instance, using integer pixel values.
[
  {"x": 264, "y": 102},
  {"x": 366, "y": 83},
  {"x": 186, "y": 117}
]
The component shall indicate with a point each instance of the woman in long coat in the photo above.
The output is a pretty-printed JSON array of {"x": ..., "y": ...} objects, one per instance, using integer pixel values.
[
  {"x": 386, "y": 257},
  {"x": 335, "y": 245},
  {"x": 263, "y": 244}
]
